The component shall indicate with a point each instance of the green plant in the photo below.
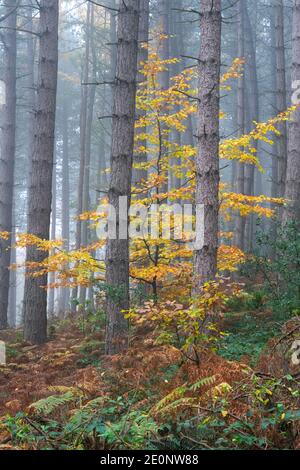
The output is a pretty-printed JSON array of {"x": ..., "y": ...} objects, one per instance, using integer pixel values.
[
  {"x": 281, "y": 271},
  {"x": 100, "y": 423},
  {"x": 48, "y": 405},
  {"x": 247, "y": 336},
  {"x": 267, "y": 422}
]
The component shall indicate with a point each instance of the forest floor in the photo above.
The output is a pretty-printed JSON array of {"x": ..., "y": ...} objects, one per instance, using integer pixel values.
[{"x": 74, "y": 359}]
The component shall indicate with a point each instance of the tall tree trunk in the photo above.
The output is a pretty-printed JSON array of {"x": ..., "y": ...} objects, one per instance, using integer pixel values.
[
  {"x": 240, "y": 225},
  {"x": 51, "y": 277},
  {"x": 87, "y": 235},
  {"x": 31, "y": 104},
  {"x": 165, "y": 43},
  {"x": 65, "y": 216},
  {"x": 207, "y": 160},
  {"x": 164, "y": 80},
  {"x": 176, "y": 136},
  {"x": 139, "y": 175},
  {"x": 292, "y": 190},
  {"x": 281, "y": 101},
  {"x": 83, "y": 135},
  {"x": 117, "y": 255},
  {"x": 113, "y": 40},
  {"x": 39, "y": 204},
  {"x": 89, "y": 122},
  {"x": 182, "y": 30},
  {"x": 253, "y": 109},
  {"x": 31, "y": 95},
  {"x": 7, "y": 158},
  {"x": 12, "y": 304}
]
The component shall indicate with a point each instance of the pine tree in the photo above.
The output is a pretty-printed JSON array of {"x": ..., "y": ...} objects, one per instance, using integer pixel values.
[{"x": 39, "y": 204}]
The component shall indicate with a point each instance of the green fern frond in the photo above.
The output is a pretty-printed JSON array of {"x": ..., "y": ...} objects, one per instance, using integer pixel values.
[
  {"x": 46, "y": 406},
  {"x": 62, "y": 389},
  {"x": 176, "y": 398},
  {"x": 94, "y": 404},
  {"x": 185, "y": 401},
  {"x": 202, "y": 383},
  {"x": 176, "y": 394}
]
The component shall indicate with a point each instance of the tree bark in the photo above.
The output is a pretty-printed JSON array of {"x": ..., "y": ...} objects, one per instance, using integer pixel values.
[
  {"x": 292, "y": 191},
  {"x": 7, "y": 158},
  {"x": 83, "y": 135},
  {"x": 253, "y": 115},
  {"x": 89, "y": 121},
  {"x": 65, "y": 216},
  {"x": 39, "y": 204},
  {"x": 31, "y": 94},
  {"x": 182, "y": 33},
  {"x": 207, "y": 160},
  {"x": 86, "y": 233},
  {"x": 165, "y": 43},
  {"x": 139, "y": 175},
  {"x": 12, "y": 304},
  {"x": 117, "y": 255},
  {"x": 281, "y": 101},
  {"x": 51, "y": 277},
  {"x": 240, "y": 224}
]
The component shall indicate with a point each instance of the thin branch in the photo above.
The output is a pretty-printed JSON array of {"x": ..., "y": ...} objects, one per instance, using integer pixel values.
[
  {"x": 103, "y": 6},
  {"x": 4, "y": 17}
]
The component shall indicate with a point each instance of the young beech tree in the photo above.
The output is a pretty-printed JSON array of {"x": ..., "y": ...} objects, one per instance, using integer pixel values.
[
  {"x": 7, "y": 159},
  {"x": 207, "y": 159},
  {"x": 39, "y": 203},
  {"x": 117, "y": 253}
]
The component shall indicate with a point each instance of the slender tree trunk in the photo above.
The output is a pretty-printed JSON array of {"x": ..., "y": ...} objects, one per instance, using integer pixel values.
[
  {"x": 65, "y": 218},
  {"x": 164, "y": 81},
  {"x": 176, "y": 136},
  {"x": 253, "y": 104},
  {"x": 281, "y": 101},
  {"x": 292, "y": 190},
  {"x": 83, "y": 135},
  {"x": 51, "y": 277},
  {"x": 165, "y": 43},
  {"x": 207, "y": 160},
  {"x": 253, "y": 109},
  {"x": 7, "y": 158},
  {"x": 89, "y": 122},
  {"x": 273, "y": 91},
  {"x": 39, "y": 204},
  {"x": 117, "y": 256},
  {"x": 87, "y": 234},
  {"x": 31, "y": 104},
  {"x": 182, "y": 32},
  {"x": 31, "y": 94},
  {"x": 12, "y": 304},
  {"x": 113, "y": 40},
  {"x": 139, "y": 175},
  {"x": 240, "y": 225}
]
